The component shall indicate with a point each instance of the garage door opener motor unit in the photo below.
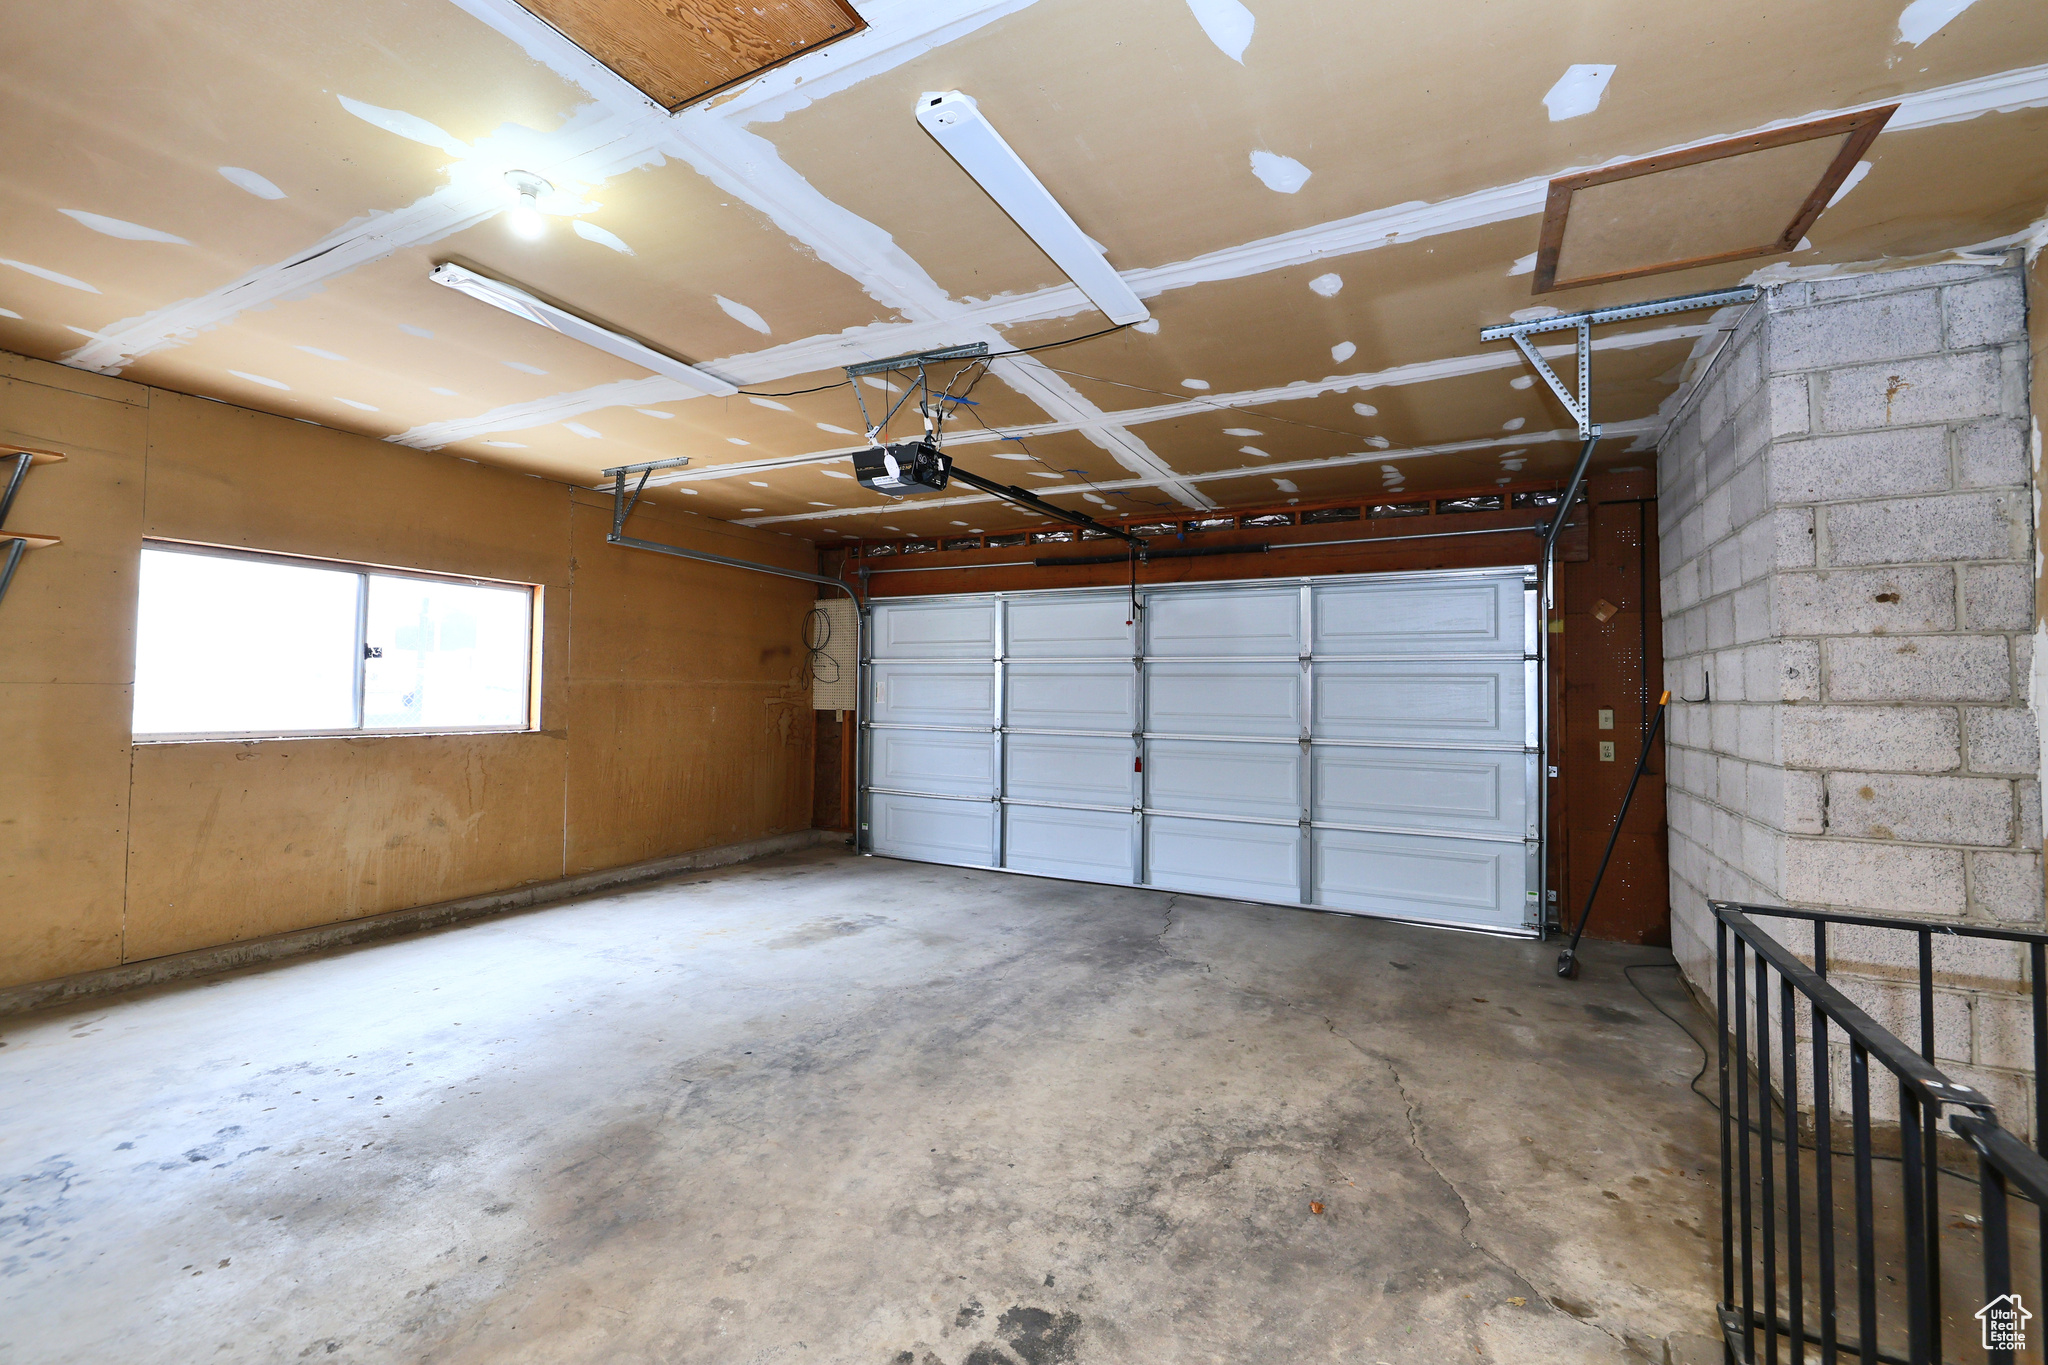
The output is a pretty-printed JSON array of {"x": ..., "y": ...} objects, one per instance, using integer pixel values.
[{"x": 903, "y": 468}]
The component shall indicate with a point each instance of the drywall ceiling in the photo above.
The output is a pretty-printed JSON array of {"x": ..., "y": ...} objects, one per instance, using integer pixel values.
[{"x": 1321, "y": 204}]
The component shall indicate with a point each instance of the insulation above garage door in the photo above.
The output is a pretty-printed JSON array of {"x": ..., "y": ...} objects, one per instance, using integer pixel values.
[{"x": 1366, "y": 744}]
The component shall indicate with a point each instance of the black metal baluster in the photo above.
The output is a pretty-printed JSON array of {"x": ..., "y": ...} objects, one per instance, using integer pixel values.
[
  {"x": 1727, "y": 1166},
  {"x": 1788, "y": 1081},
  {"x": 1997, "y": 1235},
  {"x": 1866, "y": 1228},
  {"x": 1931, "y": 1137},
  {"x": 1912, "y": 1173},
  {"x": 1823, "y": 1158},
  {"x": 2038, "y": 960},
  {"x": 1742, "y": 1150},
  {"x": 1770, "y": 1194}
]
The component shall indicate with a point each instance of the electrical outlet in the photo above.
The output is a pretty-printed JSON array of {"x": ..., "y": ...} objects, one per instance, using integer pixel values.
[
  {"x": 1607, "y": 751},
  {"x": 1606, "y": 718}
]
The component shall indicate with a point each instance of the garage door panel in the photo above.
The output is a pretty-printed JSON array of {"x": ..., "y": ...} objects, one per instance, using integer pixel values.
[
  {"x": 1224, "y": 778},
  {"x": 1221, "y": 858},
  {"x": 1457, "y": 880},
  {"x": 1070, "y": 628},
  {"x": 1215, "y": 624},
  {"x": 1446, "y": 701},
  {"x": 1420, "y": 616},
  {"x": 1464, "y": 790},
  {"x": 1415, "y": 711},
  {"x": 1089, "y": 844},
  {"x": 1224, "y": 699},
  {"x": 1088, "y": 696},
  {"x": 939, "y": 630},
  {"x": 935, "y": 693},
  {"x": 933, "y": 830},
  {"x": 1072, "y": 768},
  {"x": 943, "y": 762}
]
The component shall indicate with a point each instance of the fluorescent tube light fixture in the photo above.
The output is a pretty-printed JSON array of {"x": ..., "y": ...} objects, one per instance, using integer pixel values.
[
  {"x": 958, "y": 125},
  {"x": 521, "y": 304}
]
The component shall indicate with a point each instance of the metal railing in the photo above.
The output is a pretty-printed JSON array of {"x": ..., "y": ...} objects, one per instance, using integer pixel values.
[{"x": 1774, "y": 1305}]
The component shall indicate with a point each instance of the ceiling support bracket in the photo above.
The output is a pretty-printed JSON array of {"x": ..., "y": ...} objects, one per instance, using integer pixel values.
[
  {"x": 1580, "y": 405},
  {"x": 623, "y": 505}
]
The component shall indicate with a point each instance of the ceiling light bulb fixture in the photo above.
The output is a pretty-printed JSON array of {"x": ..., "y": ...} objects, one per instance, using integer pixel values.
[
  {"x": 958, "y": 125},
  {"x": 527, "y": 219},
  {"x": 521, "y": 304}
]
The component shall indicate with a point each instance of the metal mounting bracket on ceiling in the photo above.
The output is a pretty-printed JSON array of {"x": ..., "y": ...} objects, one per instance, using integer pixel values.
[
  {"x": 623, "y": 505},
  {"x": 974, "y": 350},
  {"x": 1580, "y": 404}
]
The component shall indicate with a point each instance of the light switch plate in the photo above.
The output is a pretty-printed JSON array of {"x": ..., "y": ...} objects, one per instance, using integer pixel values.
[{"x": 1606, "y": 718}]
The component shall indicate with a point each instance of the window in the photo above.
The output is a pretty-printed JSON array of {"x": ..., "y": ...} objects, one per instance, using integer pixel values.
[{"x": 229, "y": 643}]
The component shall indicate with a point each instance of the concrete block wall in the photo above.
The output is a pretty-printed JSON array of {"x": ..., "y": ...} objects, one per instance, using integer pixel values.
[{"x": 1846, "y": 517}]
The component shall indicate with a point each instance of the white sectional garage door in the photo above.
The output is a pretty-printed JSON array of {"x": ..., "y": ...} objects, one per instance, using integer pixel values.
[{"x": 1365, "y": 744}]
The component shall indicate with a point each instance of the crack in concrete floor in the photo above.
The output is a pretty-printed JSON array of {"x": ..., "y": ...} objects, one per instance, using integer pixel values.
[{"x": 1637, "y": 1348}]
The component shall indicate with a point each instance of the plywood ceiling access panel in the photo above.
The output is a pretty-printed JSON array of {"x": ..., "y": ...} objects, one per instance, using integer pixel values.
[
  {"x": 1726, "y": 201},
  {"x": 679, "y": 51}
]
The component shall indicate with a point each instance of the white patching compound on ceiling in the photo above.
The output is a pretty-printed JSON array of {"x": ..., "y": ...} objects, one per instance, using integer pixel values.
[
  {"x": 115, "y": 227},
  {"x": 591, "y": 232},
  {"x": 52, "y": 276},
  {"x": 1228, "y": 24},
  {"x": 727, "y": 153},
  {"x": 1923, "y": 19},
  {"x": 1849, "y": 182},
  {"x": 248, "y": 180},
  {"x": 406, "y": 125},
  {"x": 1282, "y": 174},
  {"x": 740, "y": 313},
  {"x": 1578, "y": 91}
]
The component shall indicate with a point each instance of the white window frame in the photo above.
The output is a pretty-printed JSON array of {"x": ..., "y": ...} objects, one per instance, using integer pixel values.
[{"x": 535, "y": 596}]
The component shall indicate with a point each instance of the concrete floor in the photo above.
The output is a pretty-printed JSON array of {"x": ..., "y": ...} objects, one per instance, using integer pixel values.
[{"x": 830, "y": 1109}]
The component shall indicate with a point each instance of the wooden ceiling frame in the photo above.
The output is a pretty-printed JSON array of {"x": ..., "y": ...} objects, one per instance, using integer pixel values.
[
  {"x": 683, "y": 52},
  {"x": 1860, "y": 128}
]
